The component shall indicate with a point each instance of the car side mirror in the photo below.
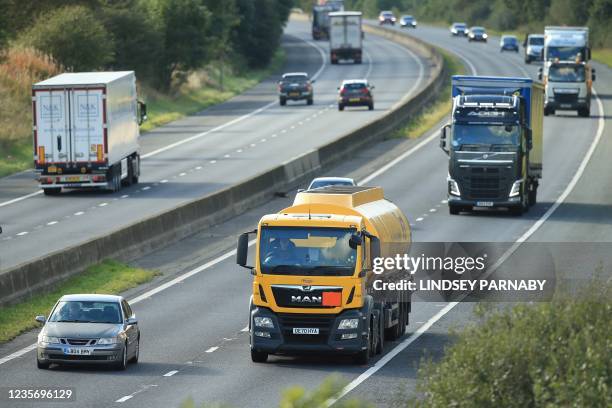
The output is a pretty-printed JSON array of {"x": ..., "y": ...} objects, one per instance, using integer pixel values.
[
  {"x": 242, "y": 251},
  {"x": 142, "y": 109},
  {"x": 443, "y": 138},
  {"x": 41, "y": 319},
  {"x": 312, "y": 81},
  {"x": 540, "y": 74},
  {"x": 355, "y": 241},
  {"x": 372, "y": 87},
  {"x": 338, "y": 88},
  {"x": 131, "y": 321}
]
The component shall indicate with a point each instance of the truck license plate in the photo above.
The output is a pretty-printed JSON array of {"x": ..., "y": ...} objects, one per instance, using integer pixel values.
[
  {"x": 77, "y": 351},
  {"x": 308, "y": 330},
  {"x": 565, "y": 105},
  {"x": 484, "y": 204},
  {"x": 74, "y": 178}
]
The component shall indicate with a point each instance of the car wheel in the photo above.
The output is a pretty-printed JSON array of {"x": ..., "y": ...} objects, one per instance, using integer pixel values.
[
  {"x": 136, "y": 352},
  {"x": 371, "y": 106},
  {"x": 309, "y": 101},
  {"x": 41, "y": 365},
  {"x": 52, "y": 191},
  {"x": 340, "y": 107},
  {"x": 282, "y": 101},
  {"x": 259, "y": 356},
  {"x": 122, "y": 364}
]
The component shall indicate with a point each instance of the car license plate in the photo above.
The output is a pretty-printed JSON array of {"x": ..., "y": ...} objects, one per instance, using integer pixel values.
[
  {"x": 354, "y": 100},
  {"x": 77, "y": 351},
  {"x": 484, "y": 204},
  {"x": 308, "y": 330},
  {"x": 294, "y": 94},
  {"x": 565, "y": 105}
]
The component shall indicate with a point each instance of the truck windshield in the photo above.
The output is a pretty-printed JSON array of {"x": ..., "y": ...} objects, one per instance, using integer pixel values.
[
  {"x": 564, "y": 53},
  {"x": 485, "y": 134},
  {"x": 572, "y": 73},
  {"x": 307, "y": 251}
]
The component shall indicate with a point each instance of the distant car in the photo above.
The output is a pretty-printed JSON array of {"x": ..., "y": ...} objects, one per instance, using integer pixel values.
[
  {"x": 459, "y": 29},
  {"x": 89, "y": 329},
  {"x": 386, "y": 17},
  {"x": 320, "y": 182},
  {"x": 477, "y": 34},
  {"x": 508, "y": 43},
  {"x": 534, "y": 45},
  {"x": 295, "y": 86},
  {"x": 408, "y": 21},
  {"x": 355, "y": 92}
]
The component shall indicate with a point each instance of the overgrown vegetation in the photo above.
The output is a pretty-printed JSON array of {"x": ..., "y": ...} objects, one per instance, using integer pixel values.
[
  {"x": 109, "y": 277},
  {"x": 167, "y": 43},
  {"x": 438, "y": 109},
  {"x": 554, "y": 354}
]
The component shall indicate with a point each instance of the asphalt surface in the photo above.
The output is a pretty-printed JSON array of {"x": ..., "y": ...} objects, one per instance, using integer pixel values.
[
  {"x": 223, "y": 145},
  {"x": 194, "y": 326}
]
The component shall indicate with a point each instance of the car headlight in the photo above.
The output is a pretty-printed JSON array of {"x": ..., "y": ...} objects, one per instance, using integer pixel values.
[
  {"x": 107, "y": 340},
  {"x": 263, "y": 322},
  {"x": 347, "y": 324},
  {"x": 484, "y": 36},
  {"x": 453, "y": 187},
  {"x": 48, "y": 339},
  {"x": 516, "y": 188}
]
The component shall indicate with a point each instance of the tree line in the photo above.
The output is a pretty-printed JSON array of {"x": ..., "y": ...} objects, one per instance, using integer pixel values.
[
  {"x": 159, "y": 39},
  {"x": 503, "y": 15}
]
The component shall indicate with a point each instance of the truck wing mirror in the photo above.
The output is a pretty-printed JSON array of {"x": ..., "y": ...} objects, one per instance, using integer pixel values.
[
  {"x": 242, "y": 251},
  {"x": 443, "y": 139},
  {"x": 540, "y": 73},
  {"x": 142, "y": 108},
  {"x": 529, "y": 139},
  {"x": 592, "y": 77},
  {"x": 355, "y": 241}
]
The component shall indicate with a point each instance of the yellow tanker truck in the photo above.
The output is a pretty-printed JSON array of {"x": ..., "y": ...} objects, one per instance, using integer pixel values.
[{"x": 312, "y": 272}]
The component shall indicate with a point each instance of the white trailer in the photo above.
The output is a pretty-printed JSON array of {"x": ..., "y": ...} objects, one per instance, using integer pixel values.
[
  {"x": 86, "y": 130},
  {"x": 345, "y": 36}
]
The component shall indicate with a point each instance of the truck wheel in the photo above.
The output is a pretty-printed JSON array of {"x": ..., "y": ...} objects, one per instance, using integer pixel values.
[
  {"x": 357, "y": 61},
  {"x": 282, "y": 101},
  {"x": 309, "y": 101},
  {"x": 584, "y": 112},
  {"x": 532, "y": 196},
  {"x": 371, "y": 106},
  {"x": 259, "y": 356},
  {"x": 135, "y": 169},
  {"x": 380, "y": 345},
  {"x": 363, "y": 357},
  {"x": 115, "y": 179},
  {"x": 130, "y": 173},
  {"x": 52, "y": 191}
]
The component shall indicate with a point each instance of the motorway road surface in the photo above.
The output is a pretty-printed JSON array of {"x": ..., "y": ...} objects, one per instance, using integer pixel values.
[
  {"x": 192, "y": 330},
  {"x": 223, "y": 145}
]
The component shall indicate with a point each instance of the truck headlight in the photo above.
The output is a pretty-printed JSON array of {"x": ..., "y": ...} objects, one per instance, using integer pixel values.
[
  {"x": 107, "y": 340},
  {"x": 516, "y": 188},
  {"x": 48, "y": 340},
  {"x": 263, "y": 322},
  {"x": 453, "y": 187},
  {"x": 347, "y": 324}
]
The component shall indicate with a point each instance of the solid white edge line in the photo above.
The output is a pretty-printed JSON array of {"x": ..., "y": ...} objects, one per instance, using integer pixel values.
[
  {"x": 16, "y": 200},
  {"x": 422, "y": 329}
]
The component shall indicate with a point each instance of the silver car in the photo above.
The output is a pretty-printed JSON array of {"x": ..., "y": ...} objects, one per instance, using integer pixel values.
[{"x": 89, "y": 329}]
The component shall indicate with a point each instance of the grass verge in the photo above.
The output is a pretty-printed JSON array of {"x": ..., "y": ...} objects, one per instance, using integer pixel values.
[
  {"x": 15, "y": 157},
  {"x": 603, "y": 55},
  {"x": 201, "y": 91},
  {"x": 438, "y": 109},
  {"x": 109, "y": 277}
]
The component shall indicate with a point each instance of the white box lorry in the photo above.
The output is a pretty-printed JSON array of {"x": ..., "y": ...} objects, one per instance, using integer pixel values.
[
  {"x": 86, "y": 130},
  {"x": 345, "y": 36}
]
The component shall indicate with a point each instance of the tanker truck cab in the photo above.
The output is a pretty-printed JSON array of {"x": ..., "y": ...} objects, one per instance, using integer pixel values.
[
  {"x": 311, "y": 269},
  {"x": 493, "y": 143}
]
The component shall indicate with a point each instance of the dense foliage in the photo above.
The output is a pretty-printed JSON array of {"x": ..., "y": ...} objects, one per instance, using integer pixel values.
[
  {"x": 160, "y": 39},
  {"x": 526, "y": 15},
  {"x": 554, "y": 354}
]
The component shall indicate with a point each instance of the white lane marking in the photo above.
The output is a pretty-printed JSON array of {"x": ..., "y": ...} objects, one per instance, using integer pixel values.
[
  {"x": 79, "y": 213},
  {"x": 123, "y": 399},
  {"x": 16, "y": 200},
  {"x": 370, "y": 65},
  {"x": 22, "y": 233},
  {"x": 300, "y": 123},
  {"x": 182, "y": 174},
  {"x": 421, "y": 76},
  {"x": 274, "y": 135},
  {"x": 52, "y": 222},
  {"x": 432, "y": 210},
  {"x": 466, "y": 60},
  {"x": 292, "y": 126},
  {"x": 403, "y": 345},
  {"x": 239, "y": 151},
  {"x": 215, "y": 129},
  {"x": 213, "y": 161},
  {"x": 125, "y": 196},
  {"x": 18, "y": 353},
  {"x": 264, "y": 140},
  {"x": 170, "y": 373},
  {"x": 227, "y": 156},
  {"x": 146, "y": 188},
  {"x": 212, "y": 349},
  {"x": 419, "y": 219},
  {"x": 284, "y": 131},
  {"x": 164, "y": 181},
  {"x": 102, "y": 204},
  {"x": 198, "y": 168}
]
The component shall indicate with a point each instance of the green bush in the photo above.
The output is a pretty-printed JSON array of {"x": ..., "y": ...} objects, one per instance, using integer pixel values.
[
  {"x": 74, "y": 37},
  {"x": 555, "y": 354}
]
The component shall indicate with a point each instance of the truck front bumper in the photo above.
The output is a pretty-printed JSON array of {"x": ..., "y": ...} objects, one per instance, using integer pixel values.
[
  {"x": 484, "y": 203},
  {"x": 281, "y": 338},
  {"x": 556, "y": 104}
]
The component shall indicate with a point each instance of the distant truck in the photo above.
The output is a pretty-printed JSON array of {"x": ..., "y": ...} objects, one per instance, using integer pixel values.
[
  {"x": 312, "y": 270},
  {"x": 567, "y": 75},
  {"x": 494, "y": 143},
  {"x": 320, "y": 22},
  {"x": 86, "y": 131},
  {"x": 345, "y": 36}
]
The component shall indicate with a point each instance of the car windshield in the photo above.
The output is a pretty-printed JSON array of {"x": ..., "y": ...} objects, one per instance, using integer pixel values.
[
  {"x": 295, "y": 78},
  {"x": 460, "y": 26},
  {"x": 485, "y": 134},
  {"x": 307, "y": 251},
  {"x": 387, "y": 14},
  {"x": 510, "y": 40},
  {"x": 323, "y": 183},
  {"x": 564, "y": 53},
  {"x": 477, "y": 30},
  {"x": 407, "y": 18},
  {"x": 536, "y": 41},
  {"x": 86, "y": 312},
  {"x": 574, "y": 73}
]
